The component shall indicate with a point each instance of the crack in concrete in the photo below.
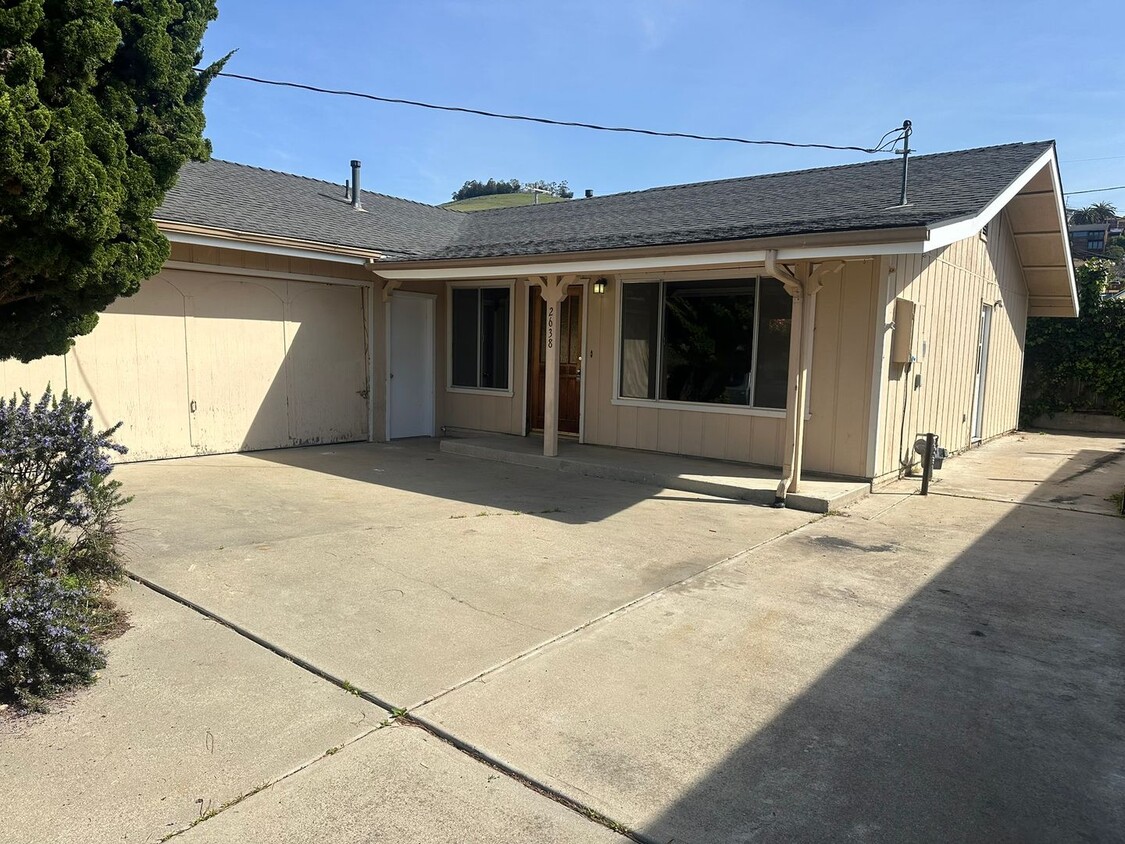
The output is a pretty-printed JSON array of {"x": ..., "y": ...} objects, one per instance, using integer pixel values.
[
  {"x": 403, "y": 715},
  {"x": 234, "y": 801},
  {"x": 468, "y": 604},
  {"x": 738, "y": 556},
  {"x": 396, "y": 714}
]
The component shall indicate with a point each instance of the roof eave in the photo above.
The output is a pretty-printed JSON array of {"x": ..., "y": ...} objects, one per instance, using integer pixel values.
[
  {"x": 196, "y": 235},
  {"x": 850, "y": 244},
  {"x": 1062, "y": 298}
]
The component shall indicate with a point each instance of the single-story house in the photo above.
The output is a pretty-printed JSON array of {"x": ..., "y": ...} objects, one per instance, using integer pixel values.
[{"x": 803, "y": 320}]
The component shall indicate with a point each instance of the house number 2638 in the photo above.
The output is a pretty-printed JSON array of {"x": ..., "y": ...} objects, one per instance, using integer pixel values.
[{"x": 551, "y": 327}]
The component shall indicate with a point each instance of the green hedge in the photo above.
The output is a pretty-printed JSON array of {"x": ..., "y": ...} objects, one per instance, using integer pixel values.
[{"x": 1088, "y": 351}]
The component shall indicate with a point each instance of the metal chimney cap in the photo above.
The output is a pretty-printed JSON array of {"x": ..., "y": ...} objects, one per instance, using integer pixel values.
[
  {"x": 356, "y": 162},
  {"x": 589, "y": 193}
]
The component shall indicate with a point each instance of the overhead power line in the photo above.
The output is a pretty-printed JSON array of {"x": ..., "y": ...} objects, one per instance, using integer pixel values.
[
  {"x": 1102, "y": 158},
  {"x": 886, "y": 144},
  {"x": 1093, "y": 190}
]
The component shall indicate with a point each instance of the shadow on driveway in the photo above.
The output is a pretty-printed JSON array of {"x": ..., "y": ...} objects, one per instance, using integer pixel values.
[{"x": 989, "y": 707}]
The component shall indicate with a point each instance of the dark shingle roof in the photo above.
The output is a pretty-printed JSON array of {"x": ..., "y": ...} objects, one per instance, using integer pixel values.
[
  {"x": 852, "y": 197},
  {"x": 237, "y": 197}
]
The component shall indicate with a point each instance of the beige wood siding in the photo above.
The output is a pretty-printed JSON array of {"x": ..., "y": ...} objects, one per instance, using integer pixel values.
[
  {"x": 836, "y": 440},
  {"x": 937, "y": 392},
  {"x": 240, "y": 259},
  {"x": 478, "y": 411},
  {"x": 836, "y": 437},
  {"x": 266, "y": 361}
]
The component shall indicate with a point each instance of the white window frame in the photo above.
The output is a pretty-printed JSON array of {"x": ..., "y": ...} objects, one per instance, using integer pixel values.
[
  {"x": 510, "y": 286},
  {"x": 668, "y": 404}
]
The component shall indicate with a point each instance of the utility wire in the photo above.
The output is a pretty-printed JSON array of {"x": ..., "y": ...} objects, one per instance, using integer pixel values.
[
  {"x": 1102, "y": 158},
  {"x": 881, "y": 147},
  {"x": 1093, "y": 190}
]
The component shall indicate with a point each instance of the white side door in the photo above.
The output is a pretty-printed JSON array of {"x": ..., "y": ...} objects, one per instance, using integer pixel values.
[
  {"x": 981, "y": 382},
  {"x": 410, "y": 331}
]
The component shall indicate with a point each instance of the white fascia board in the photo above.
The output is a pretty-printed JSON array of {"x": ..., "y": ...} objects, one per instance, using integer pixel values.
[
  {"x": 665, "y": 262},
  {"x": 264, "y": 248},
  {"x": 1060, "y": 209},
  {"x": 956, "y": 230}
]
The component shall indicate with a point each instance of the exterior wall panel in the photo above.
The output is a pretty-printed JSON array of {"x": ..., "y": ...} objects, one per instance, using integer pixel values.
[
  {"x": 843, "y": 338},
  {"x": 494, "y": 412},
  {"x": 268, "y": 362},
  {"x": 937, "y": 392},
  {"x": 836, "y": 439}
]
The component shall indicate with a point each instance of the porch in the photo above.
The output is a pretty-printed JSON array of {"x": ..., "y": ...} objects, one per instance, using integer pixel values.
[{"x": 719, "y": 478}]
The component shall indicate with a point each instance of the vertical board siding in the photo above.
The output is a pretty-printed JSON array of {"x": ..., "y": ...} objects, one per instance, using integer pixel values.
[
  {"x": 836, "y": 438},
  {"x": 937, "y": 392},
  {"x": 173, "y": 343},
  {"x": 499, "y": 413},
  {"x": 843, "y": 343}
]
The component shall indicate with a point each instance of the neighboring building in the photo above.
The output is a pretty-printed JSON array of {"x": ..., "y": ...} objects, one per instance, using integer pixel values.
[
  {"x": 1089, "y": 240},
  {"x": 801, "y": 318}
]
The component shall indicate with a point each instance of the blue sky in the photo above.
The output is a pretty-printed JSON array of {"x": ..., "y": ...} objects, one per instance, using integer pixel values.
[{"x": 967, "y": 74}]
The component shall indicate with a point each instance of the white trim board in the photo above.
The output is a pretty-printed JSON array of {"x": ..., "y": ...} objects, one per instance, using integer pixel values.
[
  {"x": 956, "y": 230},
  {"x": 611, "y": 266}
]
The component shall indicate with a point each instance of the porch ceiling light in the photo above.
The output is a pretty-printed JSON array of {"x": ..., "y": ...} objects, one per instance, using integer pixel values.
[{"x": 599, "y": 285}]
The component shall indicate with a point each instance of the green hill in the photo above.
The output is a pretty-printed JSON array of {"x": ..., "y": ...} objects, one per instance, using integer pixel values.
[{"x": 499, "y": 200}]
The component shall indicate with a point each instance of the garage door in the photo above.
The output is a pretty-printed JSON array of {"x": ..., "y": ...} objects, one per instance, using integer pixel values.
[{"x": 202, "y": 363}]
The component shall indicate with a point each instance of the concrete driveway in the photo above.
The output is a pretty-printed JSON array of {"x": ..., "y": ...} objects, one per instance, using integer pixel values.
[
  {"x": 408, "y": 572},
  {"x": 695, "y": 670}
]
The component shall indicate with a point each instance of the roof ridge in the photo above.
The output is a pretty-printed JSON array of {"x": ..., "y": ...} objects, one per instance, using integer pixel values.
[{"x": 760, "y": 176}]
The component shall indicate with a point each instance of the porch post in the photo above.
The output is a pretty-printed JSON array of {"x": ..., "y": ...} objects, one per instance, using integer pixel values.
[
  {"x": 802, "y": 382},
  {"x": 553, "y": 289},
  {"x": 798, "y": 367},
  {"x": 802, "y": 283}
]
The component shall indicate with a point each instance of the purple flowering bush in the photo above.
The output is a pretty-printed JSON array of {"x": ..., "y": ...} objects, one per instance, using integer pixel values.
[
  {"x": 46, "y": 644},
  {"x": 59, "y": 531}
]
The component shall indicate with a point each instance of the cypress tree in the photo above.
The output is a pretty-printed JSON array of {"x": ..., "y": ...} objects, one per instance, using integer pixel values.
[{"x": 100, "y": 106}]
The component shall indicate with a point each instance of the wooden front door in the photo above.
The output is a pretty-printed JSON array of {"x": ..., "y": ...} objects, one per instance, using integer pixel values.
[{"x": 570, "y": 359}]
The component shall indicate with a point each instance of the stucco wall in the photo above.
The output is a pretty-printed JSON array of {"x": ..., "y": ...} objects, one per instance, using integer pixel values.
[{"x": 936, "y": 393}]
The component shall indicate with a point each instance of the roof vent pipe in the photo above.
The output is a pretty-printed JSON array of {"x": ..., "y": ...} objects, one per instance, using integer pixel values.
[
  {"x": 357, "y": 199},
  {"x": 589, "y": 193}
]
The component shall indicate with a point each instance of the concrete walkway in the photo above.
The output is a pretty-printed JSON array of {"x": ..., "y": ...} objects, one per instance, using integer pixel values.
[
  {"x": 192, "y": 727},
  {"x": 186, "y": 717},
  {"x": 697, "y": 670},
  {"x": 719, "y": 478}
]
